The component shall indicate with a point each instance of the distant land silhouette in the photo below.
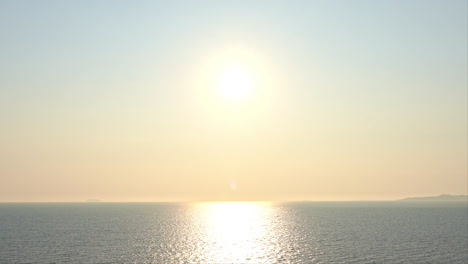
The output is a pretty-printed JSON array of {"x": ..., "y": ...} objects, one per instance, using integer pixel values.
[{"x": 440, "y": 198}]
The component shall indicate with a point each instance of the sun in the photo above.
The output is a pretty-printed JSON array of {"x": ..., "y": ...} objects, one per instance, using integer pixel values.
[
  {"x": 235, "y": 82},
  {"x": 234, "y": 87}
]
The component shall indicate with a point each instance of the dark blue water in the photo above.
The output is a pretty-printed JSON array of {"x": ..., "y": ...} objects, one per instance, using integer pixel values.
[{"x": 318, "y": 232}]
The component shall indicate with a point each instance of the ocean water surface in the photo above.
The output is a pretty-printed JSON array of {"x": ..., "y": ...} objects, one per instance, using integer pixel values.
[{"x": 250, "y": 232}]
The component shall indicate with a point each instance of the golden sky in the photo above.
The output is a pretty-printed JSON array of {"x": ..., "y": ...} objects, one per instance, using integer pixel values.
[{"x": 299, "y": 100}]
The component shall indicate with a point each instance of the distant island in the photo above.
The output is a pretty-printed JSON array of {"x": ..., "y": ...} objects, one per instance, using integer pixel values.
[{"x": 440, "y": 198}]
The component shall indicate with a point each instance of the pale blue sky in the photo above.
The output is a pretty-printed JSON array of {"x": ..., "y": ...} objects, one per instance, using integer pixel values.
[{"x": 391, "y": 75}]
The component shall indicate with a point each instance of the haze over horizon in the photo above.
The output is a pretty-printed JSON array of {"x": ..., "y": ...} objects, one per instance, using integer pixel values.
[{"x": 232, "y": 100}]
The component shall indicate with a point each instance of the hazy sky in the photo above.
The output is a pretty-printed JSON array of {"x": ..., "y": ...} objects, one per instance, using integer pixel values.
[{"x": 346, "y": 100}]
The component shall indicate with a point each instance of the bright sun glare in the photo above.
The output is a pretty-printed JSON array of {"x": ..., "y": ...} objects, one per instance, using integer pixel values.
[
  {"x": 235, "y": 82},
  {"x": 235, "y": 86}
]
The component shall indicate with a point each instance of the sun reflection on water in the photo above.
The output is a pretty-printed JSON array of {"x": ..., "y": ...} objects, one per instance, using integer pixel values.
[{"x": 235, "y": 232}]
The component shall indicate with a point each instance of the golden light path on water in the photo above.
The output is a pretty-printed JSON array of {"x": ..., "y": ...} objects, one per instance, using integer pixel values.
[{"x": 236, "y": 232}]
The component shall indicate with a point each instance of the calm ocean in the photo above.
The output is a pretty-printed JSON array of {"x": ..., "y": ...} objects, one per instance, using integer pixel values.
[{"x": 302, "y": 232}]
